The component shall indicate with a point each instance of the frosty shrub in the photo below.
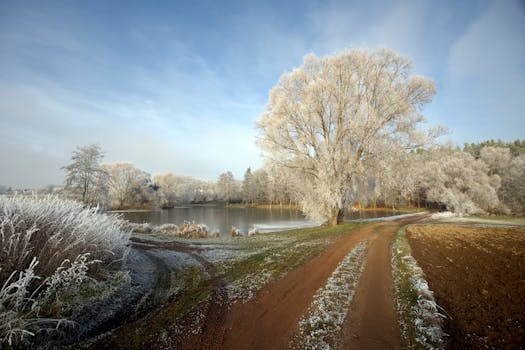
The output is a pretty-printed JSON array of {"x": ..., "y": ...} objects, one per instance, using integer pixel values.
[
  {"x": 144, "y": 228},
  {"x": 167, "y": 229},
  {"x": 235, "y": 232},
  {"x": 48, "y": 247},
  {"x": 192, "y": 230},
  {"x": 253, "y": 231}
]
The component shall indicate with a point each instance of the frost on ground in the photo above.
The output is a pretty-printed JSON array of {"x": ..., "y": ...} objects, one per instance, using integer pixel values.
[
  {"x": 246, "y": 288},
  {"x": 332, "y": 302},
  {"x": 444, "y": 215},
  {"x": 419, "y": 320}
]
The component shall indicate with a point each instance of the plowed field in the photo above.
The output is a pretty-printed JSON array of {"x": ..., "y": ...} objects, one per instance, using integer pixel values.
[{"x": 478, "y": 277}]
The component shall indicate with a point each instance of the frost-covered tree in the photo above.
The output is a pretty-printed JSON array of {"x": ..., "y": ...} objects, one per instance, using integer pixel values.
[
  {"x": 333, "y": 118},
  {"x": 459, "y": 181},
  {"x": 260, "y": 185},
  {"x": 248, "y": 187},
  {"x": 174, "y": 189},
  {"x": 85, "y": 179},
  {"x": 227, "y": 188},
  {"x": 129, "y": 187},
  {"x": 510, "y": 171}
]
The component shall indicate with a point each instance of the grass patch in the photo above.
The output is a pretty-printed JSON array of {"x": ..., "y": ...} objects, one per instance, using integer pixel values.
[{"x": 419, "y": 320}]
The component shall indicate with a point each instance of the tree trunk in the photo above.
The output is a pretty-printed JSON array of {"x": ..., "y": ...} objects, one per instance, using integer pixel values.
[{"x": 338, "y": 217}]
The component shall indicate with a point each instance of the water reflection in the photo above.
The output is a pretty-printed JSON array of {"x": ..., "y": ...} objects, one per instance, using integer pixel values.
[{"x": 218, "y": 217}]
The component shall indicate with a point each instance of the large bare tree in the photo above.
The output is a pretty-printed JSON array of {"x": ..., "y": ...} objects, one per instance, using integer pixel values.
[{"x": 334, "y": 118}]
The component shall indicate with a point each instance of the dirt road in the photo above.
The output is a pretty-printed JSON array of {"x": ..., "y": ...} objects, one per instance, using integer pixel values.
[{"x": 270, "y": 321}]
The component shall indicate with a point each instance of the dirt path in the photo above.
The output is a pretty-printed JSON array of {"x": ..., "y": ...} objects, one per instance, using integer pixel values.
[
  {"x": 372, "y": 321},
  {"x": 270, "y": 321}
]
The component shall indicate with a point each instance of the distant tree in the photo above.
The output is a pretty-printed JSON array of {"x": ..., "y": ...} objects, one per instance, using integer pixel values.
[
  {"x": 516, "y": 148},
  {"x": 85, "y": 179},
  {"x": 260, "y": 186},
  {"x": 248, "y": 187},
  {"x": 510, "y": 171},
  {"x": 129, "y": 187},
  {"x": 334, "y": 118},
  {"x": 226, "y": 186},
  {"x": 174, "y": 189}
]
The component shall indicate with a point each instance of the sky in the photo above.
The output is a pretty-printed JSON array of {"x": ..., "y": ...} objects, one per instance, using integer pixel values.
[{"x": 176, "y": 86}]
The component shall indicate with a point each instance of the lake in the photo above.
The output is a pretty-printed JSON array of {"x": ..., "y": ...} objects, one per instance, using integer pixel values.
[{"x": 218, "y": 217}]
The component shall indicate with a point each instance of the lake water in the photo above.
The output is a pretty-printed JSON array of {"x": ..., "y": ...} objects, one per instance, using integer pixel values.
[{"x": 218, "y": 217}]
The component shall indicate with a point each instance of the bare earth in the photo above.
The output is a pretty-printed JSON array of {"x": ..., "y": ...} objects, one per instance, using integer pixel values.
[{"x": 478, "y": 277}]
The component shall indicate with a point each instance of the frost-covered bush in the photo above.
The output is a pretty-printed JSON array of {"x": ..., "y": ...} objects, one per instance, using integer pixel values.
[
  {"x": 235, "y": 232},
  {"x": 193, "y": 230},
  {"x": 167, "y": 229},
  {"x": 49, "y": 246},
  {"x": 253, "y": 231},
  {"x": 138, "y": 228},
  {"x": 419, "y": 320}
]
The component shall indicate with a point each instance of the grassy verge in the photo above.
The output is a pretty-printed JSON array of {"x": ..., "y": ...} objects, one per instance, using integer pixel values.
[{"x": 419, "y": 320}]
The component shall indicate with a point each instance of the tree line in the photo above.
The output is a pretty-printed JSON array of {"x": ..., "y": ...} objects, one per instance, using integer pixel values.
[{"x": 121, "y": 185}]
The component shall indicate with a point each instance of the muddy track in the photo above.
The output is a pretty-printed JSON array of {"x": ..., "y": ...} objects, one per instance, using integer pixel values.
[{"x": 156, "y": 278}]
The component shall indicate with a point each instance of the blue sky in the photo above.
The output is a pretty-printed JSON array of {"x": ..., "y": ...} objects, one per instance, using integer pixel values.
[{"x": 177, "y": 86}]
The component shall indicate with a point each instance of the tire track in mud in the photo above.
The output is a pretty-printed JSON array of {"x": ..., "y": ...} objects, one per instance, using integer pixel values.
[{"x": 157, "y": 280}]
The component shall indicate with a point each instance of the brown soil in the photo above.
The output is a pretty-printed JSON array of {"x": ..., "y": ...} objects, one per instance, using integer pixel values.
[{"x": 478, "y": 277}]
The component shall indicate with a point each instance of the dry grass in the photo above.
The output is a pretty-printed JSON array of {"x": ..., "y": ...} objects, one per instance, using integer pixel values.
[{"x": 50, "y": 247}]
